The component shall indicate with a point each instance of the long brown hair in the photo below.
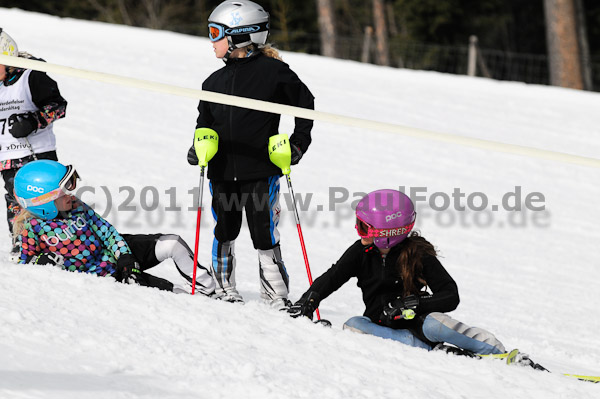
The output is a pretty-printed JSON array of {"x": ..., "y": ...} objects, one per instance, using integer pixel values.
[{"x": 409, "y": 264}]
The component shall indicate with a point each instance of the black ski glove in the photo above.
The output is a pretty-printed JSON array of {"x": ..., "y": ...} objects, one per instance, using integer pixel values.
[
  {"x": 22, "y": 125},
  {"x": 306, "y": 305},
  {"x": 296, "y": 154},
  {"x": 53, "y": 259},
  {"x": 192, "y": 157},
  {"x": 400, "y": 309},
  {"x": 148, "y": 280},
  {"x": 128, "y": 270}
]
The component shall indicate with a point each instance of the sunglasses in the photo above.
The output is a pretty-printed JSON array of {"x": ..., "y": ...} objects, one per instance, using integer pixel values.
[
  {"x": 66, "y": 186},
  {"x": 365, "y": 230}
]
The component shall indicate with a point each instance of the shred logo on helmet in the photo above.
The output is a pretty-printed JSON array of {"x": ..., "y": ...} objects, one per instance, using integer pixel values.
[
  {"x": 387, "y": 216},
  {"x": 395, "y": 232},
  {"x": 39, "y": 183}
]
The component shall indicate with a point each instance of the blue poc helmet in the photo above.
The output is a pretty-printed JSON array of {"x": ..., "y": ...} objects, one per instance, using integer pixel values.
[{"x": 39, "y": 183}]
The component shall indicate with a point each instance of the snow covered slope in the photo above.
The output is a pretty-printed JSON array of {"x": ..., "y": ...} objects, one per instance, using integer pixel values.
[{"x": 530, "y": 277}]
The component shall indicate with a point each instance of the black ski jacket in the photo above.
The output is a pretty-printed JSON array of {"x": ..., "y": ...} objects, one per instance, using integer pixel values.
[
  {"x": 380, "y": 283},
  {"x": 244, "y": 133}
]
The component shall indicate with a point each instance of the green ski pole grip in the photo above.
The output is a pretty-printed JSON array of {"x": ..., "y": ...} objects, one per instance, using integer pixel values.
[
  {"x": 280, "y": 152},
  {"x": 206, "y": 144}
]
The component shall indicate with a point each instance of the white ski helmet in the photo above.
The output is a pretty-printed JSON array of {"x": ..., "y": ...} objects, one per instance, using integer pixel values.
[
  {"x": 7, "y": 45},
  {"x": 243, "y": 22}
]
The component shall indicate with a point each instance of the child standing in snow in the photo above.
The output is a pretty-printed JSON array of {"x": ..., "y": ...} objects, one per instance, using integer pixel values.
[
  {"x": 55, "y": 228},
  {"x": 30, "y": 102},
  {"x": 241, "y": 173},
  {"x": 405, "y": 288}
]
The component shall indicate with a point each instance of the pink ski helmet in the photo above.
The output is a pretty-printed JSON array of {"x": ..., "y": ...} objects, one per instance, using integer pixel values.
[{"x": 386, "y": 215}]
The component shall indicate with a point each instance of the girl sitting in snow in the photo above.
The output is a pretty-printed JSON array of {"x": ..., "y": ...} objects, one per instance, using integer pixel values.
[
  {"x": 394, "y": 269},
  {"x": 56, "y": 228}
]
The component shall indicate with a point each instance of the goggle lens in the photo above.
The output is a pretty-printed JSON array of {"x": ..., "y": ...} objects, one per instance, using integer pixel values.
[
  {"x": 68, "y": 183},
  {"x": 365, "y": 230},
  {"x": 215, "y": 32},
  {"x": 362, "y": 228},
  {"x": 71, "y": 184}
]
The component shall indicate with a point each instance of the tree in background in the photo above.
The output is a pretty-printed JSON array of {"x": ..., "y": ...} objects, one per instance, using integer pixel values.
[
  {"x": 381, "y": 33},
  {"x": 510, "y": 25},
  {"x": 294, "y": 25},
  {"x": 563, "y": 48},
  {"x": 327, "y": 27},
  {"x": 421, "y": 34}
]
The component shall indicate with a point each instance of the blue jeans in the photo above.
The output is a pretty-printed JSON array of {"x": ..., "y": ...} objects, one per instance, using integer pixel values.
[
  {"x": 437, "y": 327},
  {"x": 364, "y": 325}
]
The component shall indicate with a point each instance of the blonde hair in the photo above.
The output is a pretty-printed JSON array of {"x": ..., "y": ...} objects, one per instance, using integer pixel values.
[
  {"x": 270, "y": 51},
  {"x": 19, "y": 224},
  {"x": 266, "y": 49}
]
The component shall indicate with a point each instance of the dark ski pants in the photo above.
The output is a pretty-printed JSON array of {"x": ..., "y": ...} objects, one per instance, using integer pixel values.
[
  {"x": 260, "y": 200},
  {"x": 152, "y": 249},
  {"x": 12, "y": 206}
]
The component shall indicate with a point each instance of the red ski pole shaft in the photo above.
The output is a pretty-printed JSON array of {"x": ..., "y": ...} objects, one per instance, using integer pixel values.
[
  {"x": 198, "y": 221},
  {"x": 309, "y": 274},
  {"x": 310, "y": 280}
]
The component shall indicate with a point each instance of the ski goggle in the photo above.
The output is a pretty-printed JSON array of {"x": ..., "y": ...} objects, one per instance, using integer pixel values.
[
  {"x": 67, "y": 186},
  {"x": 68, "y": 183},
  {"x": 365, "y": 230},
  {"x": 216, "y": 31}
]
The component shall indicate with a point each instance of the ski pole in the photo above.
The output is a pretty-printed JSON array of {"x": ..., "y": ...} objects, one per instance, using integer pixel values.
[
  {"x": 206, "y": 143},
  {"x": 35, "y": 158},
  {"x": 280, "y": 154},
  {"x": 310, "y": 280}
]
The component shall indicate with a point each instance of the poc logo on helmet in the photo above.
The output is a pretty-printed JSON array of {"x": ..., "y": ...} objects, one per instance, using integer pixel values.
[
  {"x": 393, "y": 216},
  {"x": 35, "y": 189}
]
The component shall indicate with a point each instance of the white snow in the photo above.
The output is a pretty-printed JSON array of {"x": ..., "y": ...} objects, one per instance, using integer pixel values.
[{"x": 530, "y": 277}]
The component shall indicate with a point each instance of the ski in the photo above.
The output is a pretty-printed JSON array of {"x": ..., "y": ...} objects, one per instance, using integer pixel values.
[
  {"x": 512, "y": 357},
  {"x": 588, "y": 378}
]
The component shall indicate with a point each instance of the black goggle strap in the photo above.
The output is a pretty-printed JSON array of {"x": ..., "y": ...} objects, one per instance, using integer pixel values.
[{"x": 247, "y": 29}]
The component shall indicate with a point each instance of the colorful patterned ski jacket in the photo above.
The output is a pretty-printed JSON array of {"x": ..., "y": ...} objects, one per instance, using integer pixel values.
[{"x": 85, "y": 241}]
